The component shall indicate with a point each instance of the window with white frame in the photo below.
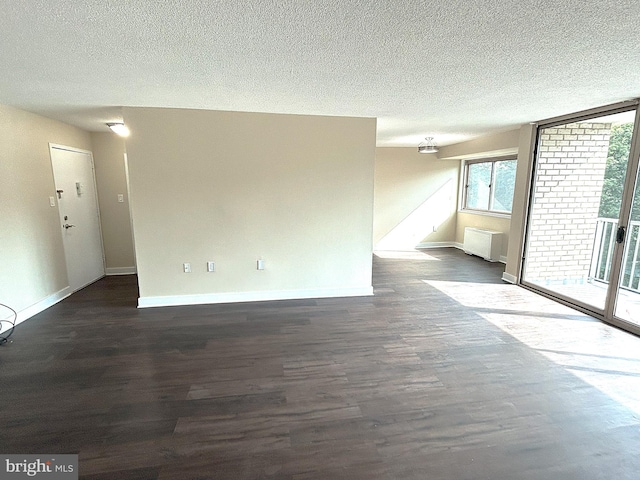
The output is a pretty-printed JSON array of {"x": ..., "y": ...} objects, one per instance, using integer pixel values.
[{"x": 489, "y": 185}]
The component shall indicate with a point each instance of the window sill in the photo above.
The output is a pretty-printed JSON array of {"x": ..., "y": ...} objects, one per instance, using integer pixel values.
[{"x": 485, "y": 213}]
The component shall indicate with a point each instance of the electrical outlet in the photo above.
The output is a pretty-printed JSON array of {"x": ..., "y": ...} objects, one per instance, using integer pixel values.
[
  {"x": 186, "y": 267},
  {"x": 211, "y": 267},
  {"x": 260, "y": 264},
  {"x": 120, "y": 198}
]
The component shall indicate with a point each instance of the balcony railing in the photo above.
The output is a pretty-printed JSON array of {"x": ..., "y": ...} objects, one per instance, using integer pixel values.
[{"x": 603, "y": 251}]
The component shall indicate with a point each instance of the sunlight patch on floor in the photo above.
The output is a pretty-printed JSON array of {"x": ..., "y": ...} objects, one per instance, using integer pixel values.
[
  {"x": 405, "y": 255},
  {"x": 603, "y": 356}
]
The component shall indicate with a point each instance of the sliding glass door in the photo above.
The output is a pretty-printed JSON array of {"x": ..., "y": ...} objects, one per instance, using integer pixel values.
[
  {"x": 626, "y": 307},
  {"x": 583, "y": 234}
]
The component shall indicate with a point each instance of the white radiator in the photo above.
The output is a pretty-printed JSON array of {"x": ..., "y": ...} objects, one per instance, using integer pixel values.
[{"x": 483, "y": 243}]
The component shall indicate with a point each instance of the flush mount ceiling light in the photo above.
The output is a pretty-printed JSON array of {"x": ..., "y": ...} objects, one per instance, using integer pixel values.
[
  {"x": 428, "y": 146},
  {"x": 119, "y": 128}
]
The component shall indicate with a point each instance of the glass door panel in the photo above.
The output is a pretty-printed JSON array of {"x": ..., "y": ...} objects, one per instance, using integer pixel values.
[
  {"x": 627, "y": 301},
  {"x": 578, "y": 183}
]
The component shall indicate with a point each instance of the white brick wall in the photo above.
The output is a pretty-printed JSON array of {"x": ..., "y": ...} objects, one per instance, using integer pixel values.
[{"x": 570, "y": 169}]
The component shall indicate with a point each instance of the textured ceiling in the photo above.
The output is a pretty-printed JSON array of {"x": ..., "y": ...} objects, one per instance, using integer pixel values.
[{"x": 451, "y": 70}]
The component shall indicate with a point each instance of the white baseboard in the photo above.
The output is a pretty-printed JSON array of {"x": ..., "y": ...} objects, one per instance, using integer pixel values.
[
  {"x": 120, "y": 271},
  {"x": 36, "y": 308},
  {"x": 459, "y": 246},
  {"x": 503, "y": 259},
  {"x": 435, "y": 244},
  {"x": 237, "y": 297},
  {"x": 507, "y": 277}
]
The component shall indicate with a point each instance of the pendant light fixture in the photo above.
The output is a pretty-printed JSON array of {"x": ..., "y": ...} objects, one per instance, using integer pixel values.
[{"x": 428, "y": 146}]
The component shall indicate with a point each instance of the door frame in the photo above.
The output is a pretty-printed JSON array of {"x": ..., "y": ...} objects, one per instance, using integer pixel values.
[
  {"x": 629, "y": 191},
  {"x": 56, "y": 146},
  {"x": 607, "y": 314}
]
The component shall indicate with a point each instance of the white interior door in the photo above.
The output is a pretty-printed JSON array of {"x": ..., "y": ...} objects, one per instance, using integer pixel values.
[{"x": 79, "y": 215}]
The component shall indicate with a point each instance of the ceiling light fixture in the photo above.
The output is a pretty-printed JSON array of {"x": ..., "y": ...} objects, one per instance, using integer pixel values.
[
  {"x": 429, "y": 146},
  {"x": 119, "y": 128}
]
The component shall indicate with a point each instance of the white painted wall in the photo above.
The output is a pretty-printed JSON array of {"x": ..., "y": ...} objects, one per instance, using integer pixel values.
[
  {"x": 415, "y": 199},
  {"x": 108, "y": 157},
  {"x": 32, "y": 266},
  {"x": 233, "y": 187}
]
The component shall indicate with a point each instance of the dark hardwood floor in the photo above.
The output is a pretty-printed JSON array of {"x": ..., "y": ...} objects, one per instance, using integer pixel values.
[{"x": 446, "y": 373}]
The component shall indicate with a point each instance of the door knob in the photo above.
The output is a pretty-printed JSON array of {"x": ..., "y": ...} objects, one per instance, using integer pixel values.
[{"x": 68, "y": 226}]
